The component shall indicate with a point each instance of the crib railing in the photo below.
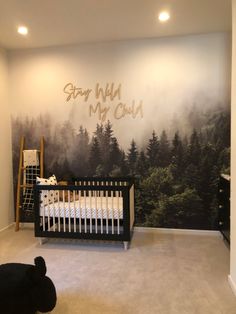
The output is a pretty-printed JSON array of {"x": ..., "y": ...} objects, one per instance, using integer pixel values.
[{"x": 92, "y": 208}]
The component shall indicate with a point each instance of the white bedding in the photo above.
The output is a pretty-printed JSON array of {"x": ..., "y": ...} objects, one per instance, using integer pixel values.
[{"x": 100, "y": 208}]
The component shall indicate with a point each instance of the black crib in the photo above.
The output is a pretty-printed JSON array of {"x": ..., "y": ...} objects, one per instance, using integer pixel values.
[{"x": 90, "y": 208}]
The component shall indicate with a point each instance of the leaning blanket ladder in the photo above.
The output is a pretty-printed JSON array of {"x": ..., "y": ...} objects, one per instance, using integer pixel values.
[{"x": 30, "y": 166}]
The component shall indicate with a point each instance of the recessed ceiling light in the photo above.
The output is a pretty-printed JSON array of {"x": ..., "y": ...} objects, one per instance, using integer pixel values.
[
  {"x": 164, "y": 16},
  {"x": 22, "y": 30}
]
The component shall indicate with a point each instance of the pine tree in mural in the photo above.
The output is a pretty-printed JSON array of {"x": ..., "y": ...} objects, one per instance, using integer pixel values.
[
  {"x": 164, "y": 150},
  {"x": 219, "y": 130},
  {"x": 153, "y": 151},
  {"x": 132, "y": 158},
  {"x": 115, "y": 156},
  {"x": 100, "y": 136},
  {"x": 212, "y": 210},
  {"x": 194, "y": 150},
  {"x": 192, "y": 173},
  {"x": 177, "y": 156},
  {"x": 94, "y": 158},
  {"x": 81, "y": 153},
  {"x": 124, "y": 164},
  {"x": 99, "y": 133},
  {"x": 108, "y": 140},
  {"x": 142, "y": 164},
  {"x": 223, "y": 161},
  {"x": 208, "y": 179}
]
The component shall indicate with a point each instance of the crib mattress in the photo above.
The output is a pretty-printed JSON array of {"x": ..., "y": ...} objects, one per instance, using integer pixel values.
[{"x": 95, "y": 208}]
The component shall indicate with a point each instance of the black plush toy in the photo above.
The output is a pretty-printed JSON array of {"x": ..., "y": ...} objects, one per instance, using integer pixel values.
[{"x": 24, "y": 289}]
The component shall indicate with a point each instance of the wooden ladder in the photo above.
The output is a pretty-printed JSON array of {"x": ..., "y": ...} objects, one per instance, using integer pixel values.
[{"x": 20, "y": 184}]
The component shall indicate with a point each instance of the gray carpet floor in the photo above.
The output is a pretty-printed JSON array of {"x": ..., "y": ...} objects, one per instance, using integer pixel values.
[{"x": 160, "y": 273}]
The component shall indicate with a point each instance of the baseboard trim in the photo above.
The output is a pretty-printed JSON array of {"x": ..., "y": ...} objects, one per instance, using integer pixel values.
[
  {"x": 25, "y": 225},
  {"x": 145, "y": 229},
  {"x": 232, "y": 284},
  {"x": 178, "y": 231},
  {"x": 7, "y": 227}
]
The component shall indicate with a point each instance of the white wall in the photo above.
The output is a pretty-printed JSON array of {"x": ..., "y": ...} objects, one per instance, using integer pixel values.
[
  {"x": 6, "y": 198},
  {"x": 232, "y": 276}
]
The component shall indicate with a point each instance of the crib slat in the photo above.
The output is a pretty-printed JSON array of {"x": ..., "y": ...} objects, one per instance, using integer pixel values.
[
  {"x": 43, "y": 212},
  {"x": 101, "y": 217},
  {"x": 112, "y": 213},
  {"x": 69, "y": 208},
  {"x": 96, "y": 221},
  {"x": 85, "y": 213},
  {"x": 102, "y": 212},
  {"x": 106, "y": 211},
  {"x": 53, "y": 208},
  {"x": 118, "y": 212},
  {"x": 80, "y": 211},
  {"x": 48, "y": 210},
  {"x": 90, "y": 208},
  {"x": 74, "y": 211},
  {"x": 64, "y": 211},
  {"x": 59, "y": 214}
]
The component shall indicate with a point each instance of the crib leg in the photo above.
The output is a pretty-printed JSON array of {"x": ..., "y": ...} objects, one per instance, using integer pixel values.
[
  {"x": 42, "y": 240},
  {"x": 126, "y": 244}
]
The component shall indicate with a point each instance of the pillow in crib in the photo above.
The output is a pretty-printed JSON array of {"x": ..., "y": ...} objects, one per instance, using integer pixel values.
[
  {"x": 50, "y": 181},
  {"x": 48, "y": 197}
]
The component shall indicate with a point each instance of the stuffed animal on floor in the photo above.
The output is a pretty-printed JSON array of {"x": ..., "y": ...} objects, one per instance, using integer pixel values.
[{"x": 24, "y": 289}]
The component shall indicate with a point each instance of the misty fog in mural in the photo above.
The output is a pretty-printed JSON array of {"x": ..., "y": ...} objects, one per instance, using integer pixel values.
[{"x": 176, "y": 172}]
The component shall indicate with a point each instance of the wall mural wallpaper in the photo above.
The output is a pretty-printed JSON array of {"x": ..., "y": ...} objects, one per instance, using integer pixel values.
[{"x": 174, "y": 139}]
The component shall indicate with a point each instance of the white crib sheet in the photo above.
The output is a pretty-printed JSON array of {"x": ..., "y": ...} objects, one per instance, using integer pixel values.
[{"x": 95, "y": 208}]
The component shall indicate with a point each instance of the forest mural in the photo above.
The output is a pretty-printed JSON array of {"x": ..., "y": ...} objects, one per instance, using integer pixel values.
[
  {"x": 176, "y": 177},
  {"x": 156, "y": 109}
]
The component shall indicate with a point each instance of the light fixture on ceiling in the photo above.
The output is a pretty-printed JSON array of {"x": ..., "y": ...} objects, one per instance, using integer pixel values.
[
  {"x": 23, "y": 30},
  {"x": 163, "y": 16}
]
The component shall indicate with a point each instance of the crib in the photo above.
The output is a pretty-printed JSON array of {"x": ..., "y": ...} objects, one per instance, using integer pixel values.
[{"x": 90, "y": 208}]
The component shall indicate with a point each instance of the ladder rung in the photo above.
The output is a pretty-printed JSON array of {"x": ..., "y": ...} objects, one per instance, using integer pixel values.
[{"x": 27, "y": 186}]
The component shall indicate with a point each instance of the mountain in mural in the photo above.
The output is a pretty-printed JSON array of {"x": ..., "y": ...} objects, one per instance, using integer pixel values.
[{"x": 176, "y": 175}]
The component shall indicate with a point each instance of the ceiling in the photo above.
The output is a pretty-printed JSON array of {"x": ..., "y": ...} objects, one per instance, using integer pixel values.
[{"x": 61, "y": 22}]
